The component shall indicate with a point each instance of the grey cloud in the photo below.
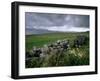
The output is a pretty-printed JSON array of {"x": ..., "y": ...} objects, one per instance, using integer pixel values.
[{"x": 47, "y": 20}]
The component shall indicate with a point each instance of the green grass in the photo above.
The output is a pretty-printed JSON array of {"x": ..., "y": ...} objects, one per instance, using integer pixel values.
[
  {"x": 40, "y": 40},
  {"x": 71, "y": 57}
]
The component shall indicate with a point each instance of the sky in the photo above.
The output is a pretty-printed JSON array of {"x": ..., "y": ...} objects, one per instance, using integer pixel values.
[{"x": 57, "y": 22}]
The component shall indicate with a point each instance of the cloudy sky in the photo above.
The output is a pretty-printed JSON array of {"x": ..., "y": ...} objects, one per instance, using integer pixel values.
[{"x": 57, "y": 22}]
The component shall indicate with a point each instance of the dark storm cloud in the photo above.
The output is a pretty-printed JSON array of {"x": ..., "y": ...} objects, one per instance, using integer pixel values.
[{"x": 48, "y": 20}]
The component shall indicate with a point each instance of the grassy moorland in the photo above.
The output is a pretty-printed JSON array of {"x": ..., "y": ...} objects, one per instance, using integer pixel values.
[
  {"x": 40, "y": 40},
  {"x": 72, "y": 57}
]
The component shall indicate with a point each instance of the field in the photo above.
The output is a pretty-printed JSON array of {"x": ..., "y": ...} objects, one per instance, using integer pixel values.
[{"x": 71, "y": 57}]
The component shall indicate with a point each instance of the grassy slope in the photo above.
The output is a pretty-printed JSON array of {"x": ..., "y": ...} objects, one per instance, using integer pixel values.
[
  {"x": 40, "y": 40},
  {"x": 72, "y": 57}
]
